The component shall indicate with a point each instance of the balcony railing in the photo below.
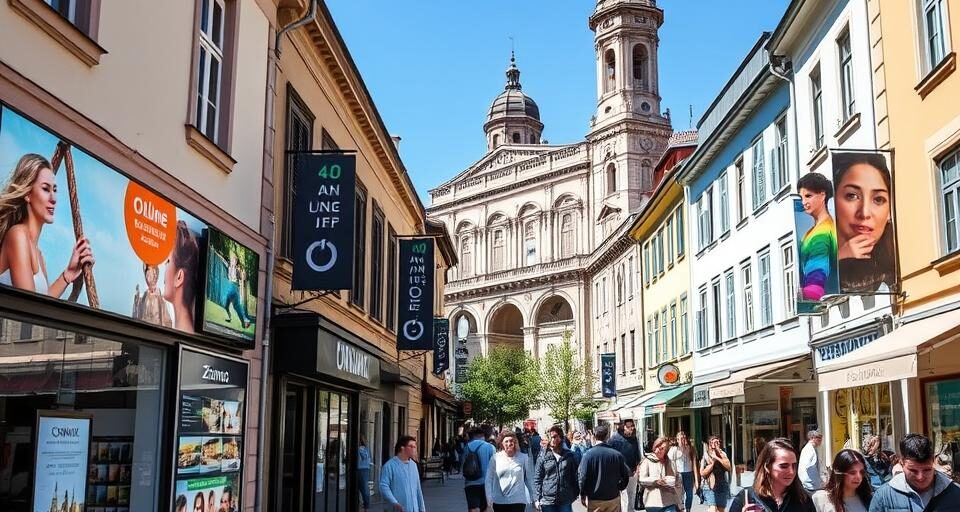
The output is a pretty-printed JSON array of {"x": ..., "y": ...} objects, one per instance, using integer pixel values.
[{"x": 514, "y": 274}]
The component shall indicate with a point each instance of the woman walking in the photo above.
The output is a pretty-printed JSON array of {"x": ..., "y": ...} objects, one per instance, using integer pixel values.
[
  {"x": 776, "y": 483},
  {"x": 509, "y": 484},
  {"x": 663, "y": 487},
  {"x": 684, "y": 459},
  {"x": 363, "y": 472},
  {"x": 848, "y": 489},
  {"x": 714, "y": 468},
  {"x": 879, "y": 468}
]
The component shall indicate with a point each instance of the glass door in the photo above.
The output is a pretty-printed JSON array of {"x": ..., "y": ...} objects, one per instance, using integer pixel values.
[
  {"x": 335, "y": 455},
  {"x": 293, "y": 465}
]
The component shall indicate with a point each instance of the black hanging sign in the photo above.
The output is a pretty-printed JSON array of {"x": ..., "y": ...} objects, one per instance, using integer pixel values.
[
  {"x": 415, "y": 314},
  {"x": 323, "y": 216},
  {"x": 461, "y": 358},
  {"x": 441, "y": 345},
  {"x": 608, "y": 374}
]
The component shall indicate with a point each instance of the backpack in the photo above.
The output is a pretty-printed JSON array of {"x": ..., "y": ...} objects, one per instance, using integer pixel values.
[{"x": 471, "y": 465}]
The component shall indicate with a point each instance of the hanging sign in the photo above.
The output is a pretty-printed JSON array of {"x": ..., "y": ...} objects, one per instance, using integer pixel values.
[
  {"x": 668, "y": 375},
  {"x": 415, "y": 314},
  {"x": 60, "y": 467},
  {"x": 323, "y": 216},
  {"x": 461, "y": 359},
  {"x": 608, "y": 374},
  {"x": 441, "y": 345}
]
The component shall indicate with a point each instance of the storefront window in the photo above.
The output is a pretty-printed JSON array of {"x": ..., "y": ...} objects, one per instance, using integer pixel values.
[
  {"x": 859, "y": 413},
  {"x": 118, "y": 385},
  {"x": 333, "y": 429},
  {"x": 943, "y": 421}
]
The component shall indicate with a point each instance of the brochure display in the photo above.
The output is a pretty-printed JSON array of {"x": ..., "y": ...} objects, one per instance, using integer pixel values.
[{"x": 60, "y": 470}]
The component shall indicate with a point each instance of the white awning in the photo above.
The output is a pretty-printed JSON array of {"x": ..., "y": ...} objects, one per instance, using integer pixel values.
[
  {"x": 733, "y": 385},
  {"x": 891, "y": 357}
]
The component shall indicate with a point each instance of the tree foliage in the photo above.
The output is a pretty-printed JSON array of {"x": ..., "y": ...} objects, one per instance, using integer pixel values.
[
  {"x": 502, "y": 387},
  {"x": 564, "y": 383}
]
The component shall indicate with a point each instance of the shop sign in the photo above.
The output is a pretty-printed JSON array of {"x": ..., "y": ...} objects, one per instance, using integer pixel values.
[
  {"x": 461, "y": 359},
  {"x": 650, "y": 410},
  {"x": 139, "y": 254},
  {"x": 338, "y": 358},
  {"x": 230, "y": 308},
  {"x": 903, "y": 367},
  {"x": 441, "y": 345},
  {"x": 60, "y": 462},
  {"x": 323, "y": 217},
  {"x": 727, "y": 391},
  {"x": 608, "y": 374},
  {"x": 211, "y": 411},
  {"x": 668, "y": 375},
  {"x": 826, "y": 353},
  {"x": 701, "y": 396},
  {"x": 415, "y": 312}
]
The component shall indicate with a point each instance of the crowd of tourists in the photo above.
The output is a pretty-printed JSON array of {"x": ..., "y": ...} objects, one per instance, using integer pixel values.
[{"x": 611, "y": 472}]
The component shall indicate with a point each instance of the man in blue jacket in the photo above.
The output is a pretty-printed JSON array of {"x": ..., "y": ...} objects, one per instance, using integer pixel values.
[
  {"x": 602, "y": 474},
  {"x": 920, "y": 488},
  {"x": 476, "y": 496}
]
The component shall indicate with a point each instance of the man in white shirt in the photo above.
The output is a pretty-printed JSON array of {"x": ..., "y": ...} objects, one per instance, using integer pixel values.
[{"x": 811, "y": 473}]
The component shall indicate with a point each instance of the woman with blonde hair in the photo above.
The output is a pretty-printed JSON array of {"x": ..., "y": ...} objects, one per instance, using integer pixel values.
[
  {"x": 662, "y": 485},
  {"x": 776, "y": 483},
  {"x": 684, "y": 458},
  {"x": 714, "y": 470},
  {"x": 26, "y": 204}
]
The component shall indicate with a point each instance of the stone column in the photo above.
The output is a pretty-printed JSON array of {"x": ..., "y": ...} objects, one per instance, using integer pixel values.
[{"x": 530, "y": 344}]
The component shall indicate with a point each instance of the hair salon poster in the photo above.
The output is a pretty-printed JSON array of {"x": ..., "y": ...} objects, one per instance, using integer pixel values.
[
  {"x": 60, "y": 470},
  {"x": 210, "y": 421},
  {"x": 104, "y": 241}
]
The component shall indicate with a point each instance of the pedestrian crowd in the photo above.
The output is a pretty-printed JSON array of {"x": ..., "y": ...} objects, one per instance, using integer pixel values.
[{"x": 609, "y": 472}]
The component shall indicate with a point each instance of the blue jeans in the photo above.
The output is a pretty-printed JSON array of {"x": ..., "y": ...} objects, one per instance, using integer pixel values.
[
  {"x": 687, "y": 489},
  {"x": 233, "y": 297},
  {"x": 557, "y": 508},
  {"x": 363, "y": 476}
]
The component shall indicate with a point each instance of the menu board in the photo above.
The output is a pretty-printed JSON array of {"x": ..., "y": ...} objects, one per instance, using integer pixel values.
[
  {"x": 108, "y": 476},
  {"x": 210, "y": 421},
  {"x": 60, "y": 471}
]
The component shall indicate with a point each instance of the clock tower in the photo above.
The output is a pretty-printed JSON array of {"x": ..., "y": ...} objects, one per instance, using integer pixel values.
[{"x": 628, "y": 132}]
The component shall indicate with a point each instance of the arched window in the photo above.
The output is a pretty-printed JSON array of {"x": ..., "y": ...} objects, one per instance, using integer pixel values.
[
  {"x": 611, "y": 179},
  {"x": 498, "y": 254},
  {"x": 533, "y": 139},
  {"x": 516, "y": 138},
  {"x": 496, "y": 140},
  {"x": 566, "y": 235},
  {"x": 610, "y": 71},
  {"x": 640, "y": 75},
  {"x": 466, "y": 257},
  {"x": 530, "y": 243}
]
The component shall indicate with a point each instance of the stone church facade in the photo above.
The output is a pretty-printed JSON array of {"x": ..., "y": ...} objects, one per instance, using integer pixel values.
[{"x": 540, "y": 229}]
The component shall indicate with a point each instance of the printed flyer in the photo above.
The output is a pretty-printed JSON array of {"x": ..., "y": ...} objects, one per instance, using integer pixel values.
[{"x": 60, "y": 470}]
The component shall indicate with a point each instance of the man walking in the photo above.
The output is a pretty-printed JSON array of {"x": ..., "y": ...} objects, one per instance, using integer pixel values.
[
  {"x": 400, "y": 479},
  {"x": 628, "y": 445},
  {"x": 602, "y": 474},
  {"x": 920, "y": 487},
  {"x": 555, "y": 479},
  {"x": 476, "y": 460},
  {"x": 811, "y": 474}
]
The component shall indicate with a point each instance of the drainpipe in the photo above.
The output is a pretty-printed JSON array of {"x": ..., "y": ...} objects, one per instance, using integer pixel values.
[{"x": 268, "y": 163}]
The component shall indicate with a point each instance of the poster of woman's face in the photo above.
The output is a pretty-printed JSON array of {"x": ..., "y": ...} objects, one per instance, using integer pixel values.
[
  {"x": 125, "y": 228},
  {"x": 863, "y": 185}
]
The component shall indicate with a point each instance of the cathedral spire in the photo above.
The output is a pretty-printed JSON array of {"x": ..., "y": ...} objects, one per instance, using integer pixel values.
[{"x": 513, "y": 74}]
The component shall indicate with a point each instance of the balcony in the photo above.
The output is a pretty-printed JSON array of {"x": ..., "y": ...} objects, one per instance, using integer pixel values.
[{"x": 516, "y": 274}]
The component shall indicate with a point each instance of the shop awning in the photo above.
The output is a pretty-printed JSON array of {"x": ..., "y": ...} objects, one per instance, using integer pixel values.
[
  {"x": 891, "y": 357},
  {"x": 733, "y": 385},
  {"x": 658, "y": 402}
]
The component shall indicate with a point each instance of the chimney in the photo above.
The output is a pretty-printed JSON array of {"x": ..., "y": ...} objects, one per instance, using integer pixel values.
[{"x": 396, "y": 141}]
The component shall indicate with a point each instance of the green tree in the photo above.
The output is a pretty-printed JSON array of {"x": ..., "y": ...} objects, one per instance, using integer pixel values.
[
  {"x": 565, "y": 384},
  {"x": 502, "y": 387}
]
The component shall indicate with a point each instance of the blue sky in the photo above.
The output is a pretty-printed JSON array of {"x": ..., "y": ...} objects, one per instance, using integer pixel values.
[{"x": 433, "y": 67}]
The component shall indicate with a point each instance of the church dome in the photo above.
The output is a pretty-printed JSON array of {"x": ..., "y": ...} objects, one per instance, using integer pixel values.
[{"x": 512, "y": 102}]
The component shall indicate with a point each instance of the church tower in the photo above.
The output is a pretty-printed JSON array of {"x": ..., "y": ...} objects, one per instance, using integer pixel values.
[
  {"x": 513, "y": 118},
  {"x": 628, "y": 132}
]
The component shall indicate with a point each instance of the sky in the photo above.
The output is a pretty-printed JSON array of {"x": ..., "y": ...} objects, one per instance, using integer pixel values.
[{"x": 433, "y": 67}]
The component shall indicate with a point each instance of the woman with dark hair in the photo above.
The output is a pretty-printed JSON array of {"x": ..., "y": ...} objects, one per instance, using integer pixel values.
[
  {"x": 864, "y": 222},
  {"x": 776, "y": 485},
  {"x": 198, "y": 503},
  {"x": 509, "y": 484},
  {"x": 714, "y": 468},
  {"x": 848, "y": 489},
  {"x": 818, "y": 248},
  {"x": 180, "y": 277}
]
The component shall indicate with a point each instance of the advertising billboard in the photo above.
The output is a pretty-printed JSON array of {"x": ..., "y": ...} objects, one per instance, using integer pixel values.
[
  {"x": 230, "y": 292},
  {"x": 75, "y": 229}
]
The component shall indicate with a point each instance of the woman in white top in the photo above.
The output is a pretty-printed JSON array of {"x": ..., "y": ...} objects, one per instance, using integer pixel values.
[
  {"x": 26, "y": 204},
  {"x": 848, "y": 489},
  {"x": 509, "y": 482},
  {"x": 684, "y": 457}
]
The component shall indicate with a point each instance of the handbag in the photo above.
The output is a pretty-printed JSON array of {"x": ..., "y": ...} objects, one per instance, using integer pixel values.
[{"x": 638, "y": 501}]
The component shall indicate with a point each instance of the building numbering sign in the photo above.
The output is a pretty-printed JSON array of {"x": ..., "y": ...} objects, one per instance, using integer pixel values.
[
  {"x": 323, "y": 217},
  {"x": 415, "y": 315}
]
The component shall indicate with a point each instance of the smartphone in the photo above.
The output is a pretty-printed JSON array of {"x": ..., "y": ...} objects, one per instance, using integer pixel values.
[{"x": 746, "y": 498}]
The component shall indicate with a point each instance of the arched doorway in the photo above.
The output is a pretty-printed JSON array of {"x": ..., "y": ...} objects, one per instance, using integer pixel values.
[
  {"x": 554, "y": 318},
  {"x": 505, "y": 328}
]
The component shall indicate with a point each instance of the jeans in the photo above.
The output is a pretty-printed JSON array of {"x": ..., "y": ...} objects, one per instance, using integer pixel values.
[
  {"x": 233, "y": 296},
  {"x": 568, "y": 507},
  {"x": 363, "y": 476},
  {"x": 509, "y": 507},
  {"x": 687, "y": 489}
]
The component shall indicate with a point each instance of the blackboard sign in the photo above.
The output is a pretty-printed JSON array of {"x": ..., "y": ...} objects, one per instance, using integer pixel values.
[
  {"x": 323, "y": 217},
  {"x": 415, "y": 313},
  {"x": 608, "y": 374},
  {"x": 441, "y": 345}
]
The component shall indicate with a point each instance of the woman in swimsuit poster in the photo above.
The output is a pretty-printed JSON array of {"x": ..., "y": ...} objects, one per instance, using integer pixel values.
[{"x": 27, "y": 203}]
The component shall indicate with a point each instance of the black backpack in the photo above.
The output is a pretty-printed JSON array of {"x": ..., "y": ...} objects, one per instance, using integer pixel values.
[{"x": 471, "y": 465}]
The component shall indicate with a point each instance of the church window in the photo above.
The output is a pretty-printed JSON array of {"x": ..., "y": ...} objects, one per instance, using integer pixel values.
[
  {"x": 516, "y": 138},
  {"x": 466, "y": 256},
  {"x": 496, "y": 140},
  {"x": 533, "y": 139},
  {"x": 498, "y": 255},
  {"x": 566, "y": 236},
  {"x": 610, "y": 71},
  {"x": 611, "y": 179},
  {"x": 640, "y": 80},
  {"x": 530, "y": 243},
  {"x": 646, "y": 173}
]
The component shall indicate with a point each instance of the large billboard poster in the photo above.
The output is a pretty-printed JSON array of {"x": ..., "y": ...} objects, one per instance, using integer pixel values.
[
  {"x": 139, "y": 254},
  {"x": 230, "y": 305}
]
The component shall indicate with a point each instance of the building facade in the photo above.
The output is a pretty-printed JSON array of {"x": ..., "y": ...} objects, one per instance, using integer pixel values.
[{"x": 130, "y": 317}]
